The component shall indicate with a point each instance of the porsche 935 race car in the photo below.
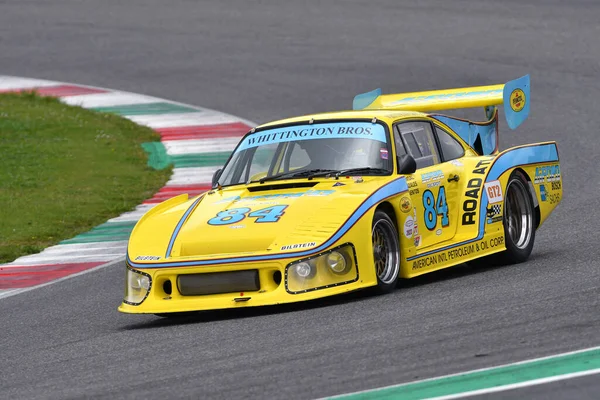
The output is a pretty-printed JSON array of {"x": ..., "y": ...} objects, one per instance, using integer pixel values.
[{"x": 324, "y": 204}]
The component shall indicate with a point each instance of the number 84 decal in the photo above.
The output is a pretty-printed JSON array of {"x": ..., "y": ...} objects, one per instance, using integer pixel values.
[
  {"x": 434, "y": 207},
  {"x": 234, "y": 215}
]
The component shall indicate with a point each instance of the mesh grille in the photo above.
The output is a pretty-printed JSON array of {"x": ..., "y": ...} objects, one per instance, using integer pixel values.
[{"x": 218, "y": 282}]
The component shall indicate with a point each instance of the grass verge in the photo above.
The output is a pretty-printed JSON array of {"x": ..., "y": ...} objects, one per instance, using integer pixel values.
[{"x": 64, "y": 170}]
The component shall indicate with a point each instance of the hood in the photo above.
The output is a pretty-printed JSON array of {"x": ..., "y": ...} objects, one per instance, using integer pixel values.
[{"x": 274, "y": 216}]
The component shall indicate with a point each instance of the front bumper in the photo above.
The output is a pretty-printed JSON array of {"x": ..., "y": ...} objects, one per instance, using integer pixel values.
[{"x": 277, "y": 283}]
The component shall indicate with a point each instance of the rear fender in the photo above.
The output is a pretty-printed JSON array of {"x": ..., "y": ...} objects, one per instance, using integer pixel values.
[
  {"x": 540, "y": 164},
  {"x": 545, "y": 185}
]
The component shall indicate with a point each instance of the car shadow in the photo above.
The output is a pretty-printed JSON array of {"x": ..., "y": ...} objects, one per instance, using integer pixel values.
[
  {"x": 458, "y": 271},
  {"x": 472, "y": 268},
  {"x": 250, "y": 312}
]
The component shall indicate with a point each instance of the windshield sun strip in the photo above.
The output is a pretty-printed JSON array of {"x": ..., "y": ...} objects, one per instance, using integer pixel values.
[{"x": 384, "y": 125}]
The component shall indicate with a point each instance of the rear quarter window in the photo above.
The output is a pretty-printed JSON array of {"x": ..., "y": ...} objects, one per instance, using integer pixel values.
[{"x": 450, "y": 147}]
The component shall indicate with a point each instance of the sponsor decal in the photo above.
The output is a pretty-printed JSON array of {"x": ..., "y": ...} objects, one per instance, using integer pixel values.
[
  {"x": 360, "y": 130},
  {"x": 547, "y": 174},
  {"x": 417, "y": 240},
  {"x": 297, "y": 246},
  {"x": 408, "y": 227},
  {"x": 493, "y": 213},
  {"x": 338, "y": 184},
  {"x": 438, "y": 232},
  {"x": 545, "y": 196},
  {"x": 543, "y": 193},
  {"x": 412, "y": 186},
  {"x": 517, "y": 100},
  {"x": 471, "y": 195},
  {"x": 415, "y": 226},
  {"x": 405, "y": 204},
  {"x": 456, "y": 163},
  {"x": 383, "y": 153},
  {"x": 358, "y": 179},
  {"x": 433, "y": 184},
  {"x": 147, "y": 258},
  {"x": 237, "y": 226},
  {"x": 276, "y": 196},
  {"x": 494, "y": 192},
  {"x": 457, "y": 253},
  {"x": 432, "y": 176},
  {"x": 556, "y": 185}
]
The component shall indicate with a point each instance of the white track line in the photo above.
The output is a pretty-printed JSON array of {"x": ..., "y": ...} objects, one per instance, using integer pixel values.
[
  {"x": 513, "y": 386},
  {"x": 436, "y": 378},
  {"x": 9, "y": 292},
  {"x": 12, "y": 292}
]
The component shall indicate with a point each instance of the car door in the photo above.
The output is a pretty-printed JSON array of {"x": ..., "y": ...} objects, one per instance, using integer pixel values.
[{"x": 434, "y": 187}]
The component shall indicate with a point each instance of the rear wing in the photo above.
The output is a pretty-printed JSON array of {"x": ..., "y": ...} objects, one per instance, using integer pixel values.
[{"x": 515, "y": 96}]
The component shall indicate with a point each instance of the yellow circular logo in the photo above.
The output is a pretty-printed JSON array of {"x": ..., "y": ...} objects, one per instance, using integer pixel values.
[
  {"x": 517, "y": 100},
  {"x": 405, "y": 205}
]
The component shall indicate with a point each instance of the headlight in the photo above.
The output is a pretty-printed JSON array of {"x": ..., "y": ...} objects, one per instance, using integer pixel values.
[
  {"x": 336, "y": 262},
  {"x": 304, "y": 270},
  {"x": 137, "y": 286},
  {"x": 332, "y": 268}
]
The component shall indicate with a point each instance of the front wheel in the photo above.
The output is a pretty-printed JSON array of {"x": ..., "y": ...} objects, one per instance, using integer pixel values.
[
  {"x": 518, "y": 220},
  {"x": 386, "y": 252}
]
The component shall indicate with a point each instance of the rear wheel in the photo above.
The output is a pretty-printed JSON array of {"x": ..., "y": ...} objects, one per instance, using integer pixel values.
[
  {"x": 518, "y": 220},
  {"x": 386, "y": 252}
]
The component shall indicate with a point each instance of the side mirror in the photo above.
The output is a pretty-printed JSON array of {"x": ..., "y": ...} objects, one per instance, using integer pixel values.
[
  {"x": 215, "y": 178},
  {"x": 406, "y": 164}
]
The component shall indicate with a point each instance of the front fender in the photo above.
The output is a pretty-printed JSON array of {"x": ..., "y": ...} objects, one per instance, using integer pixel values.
[{"x": 150, "y": 236}]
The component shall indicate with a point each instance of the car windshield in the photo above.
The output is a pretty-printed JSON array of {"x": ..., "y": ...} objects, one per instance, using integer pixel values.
[{"x": 301, "y": 151}]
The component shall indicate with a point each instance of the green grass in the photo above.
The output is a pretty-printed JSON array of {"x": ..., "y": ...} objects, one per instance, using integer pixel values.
[{"x": 64, "y": 170}]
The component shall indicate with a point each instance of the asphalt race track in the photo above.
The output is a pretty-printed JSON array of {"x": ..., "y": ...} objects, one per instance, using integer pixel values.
[{"x": 273, "y": 59}]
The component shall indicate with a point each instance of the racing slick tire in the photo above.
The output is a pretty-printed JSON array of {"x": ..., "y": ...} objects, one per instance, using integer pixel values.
[
  {"x": 518, "y": 219},
  {"x": 386, "y": 252}
]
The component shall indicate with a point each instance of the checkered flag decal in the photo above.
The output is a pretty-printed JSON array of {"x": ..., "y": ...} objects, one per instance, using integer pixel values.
[{"x": 496, "y": 209}]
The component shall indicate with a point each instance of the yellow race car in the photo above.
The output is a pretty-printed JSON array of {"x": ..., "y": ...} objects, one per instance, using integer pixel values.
[{"x": 324, "y": 204}]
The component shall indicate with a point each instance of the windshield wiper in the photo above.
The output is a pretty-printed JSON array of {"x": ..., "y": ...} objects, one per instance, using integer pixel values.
[
  {"x": 340, "y": 172},
  {"x": 295, "y": 174},
  {"x": 316, "y": 172},
  {"x": 361, "y": 170}
]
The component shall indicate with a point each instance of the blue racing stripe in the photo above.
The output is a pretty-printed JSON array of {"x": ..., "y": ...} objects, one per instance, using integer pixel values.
[
  {"x": 179, "y": 225},
  {"x": 392, "y": 188},
  {"x": 531, "y": 154}
]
